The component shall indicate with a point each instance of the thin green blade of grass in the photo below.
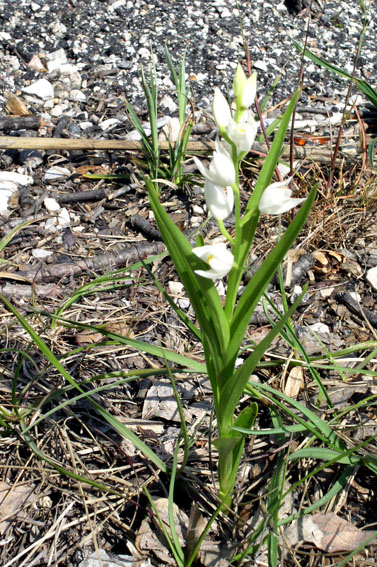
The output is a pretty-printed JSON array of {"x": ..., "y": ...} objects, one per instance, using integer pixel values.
[
  {"x": 326, "y": 454},
  {"x": 291, "y": 338},
  {"x": 113, "y": 422},
  {"x": 139, "y": 127},
  {"x": 93, "y": 287},
  {"x": 331, "y": 493},
  {"x": 8, "y": 237},
  {"x": 362, "y": 85},
  {"x": 158, "y": 351},
  {"x": 129, "y": 376},
  {"x": 317, "y": 426},
  {"x": 64, "y": 471},
  {"x": 175, "y": 552},
  {"x": 181, "y": 314},
  {"x": 151, "y": 97}
]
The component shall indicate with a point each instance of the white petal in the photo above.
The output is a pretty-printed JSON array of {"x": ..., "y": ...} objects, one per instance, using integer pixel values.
[
  {"x": 220, "y": 200},
  {"x": 276, "y": 199},
  {"x": 221, "y": 169},
  {"x": 219, "y": 259},
  {"x": 242, "y": 134},
  {"x": 250, "y": 91},
  {"x": 221, "y": 110},
  {"x": 200, "y": 166}
]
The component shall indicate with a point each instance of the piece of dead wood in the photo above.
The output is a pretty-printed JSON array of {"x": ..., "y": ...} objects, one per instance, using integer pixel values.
[
  {"x": 101, "y": 263},
  {"x": 140, "y": 224},
  {"x": 328, "y": 532},
  {"x": 8, "y": 123},
  {"x": 19, "y": 291},
  {"x": 321, "y": 154},
  {"x": 346, "y": 299},
  {"x": 91, "y": 196}
]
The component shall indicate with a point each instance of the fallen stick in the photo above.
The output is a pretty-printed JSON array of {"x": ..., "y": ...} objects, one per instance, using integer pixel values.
[
  {"x": 20, "y": 122},
  {"x": 321, "y": 154},
  {"x": 101, "y": 263}
]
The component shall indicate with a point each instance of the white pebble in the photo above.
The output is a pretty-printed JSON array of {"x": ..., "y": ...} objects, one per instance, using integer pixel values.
[
  {"x": 372, "y": 277},
  {"x": 56, "y": 172},
  {"x": 17, "y": 178},
  {"x": 51, "y": 205},
  {"x": 40, "y": 254},
  {"x": 77, "y": 96},
  {"x": 261, "y": 65},
  {"x": 64, "y": 219},
  {"x": 319, "y": 328},
  {"x": 175, "y": 288},
  {"x": 42, "y": 89},
  {"x": 6, "y": 190},
  {"x": 108, "y": 124}
]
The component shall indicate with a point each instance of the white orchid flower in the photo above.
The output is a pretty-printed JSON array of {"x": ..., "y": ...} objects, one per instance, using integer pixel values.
[
  {"x": 219, "y": 259},
  {"x": 276, "y": 199},
  {"x": 242, "y": 134},
  {"x": 245, "y": 88},
  {"x": 221, "y": 170},
  {"x": 220, "y": 200},
  {"x": 221, "y": 109}
]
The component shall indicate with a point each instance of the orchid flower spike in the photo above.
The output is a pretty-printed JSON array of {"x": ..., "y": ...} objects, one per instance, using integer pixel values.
[
  {"x": 218, "y": 258},
  {"x": 221, "y": 109},
  {"x": 244, "y": 88},
  {"x": 220, "y": 200},
  {"x": 221, "y": 170},
  {"x": 276, "y": 199}
]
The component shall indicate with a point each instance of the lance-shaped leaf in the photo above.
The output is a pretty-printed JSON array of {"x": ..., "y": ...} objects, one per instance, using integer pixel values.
[{"x": 201, "y": 291}]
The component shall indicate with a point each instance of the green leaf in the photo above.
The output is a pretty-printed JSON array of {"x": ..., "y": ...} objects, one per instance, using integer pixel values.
[
  {"x": 362, "y": 85},
  {"x": 371, "y": 148},
  {"x": 326, "y": 454},
  {"x": 201, "y": 291}
]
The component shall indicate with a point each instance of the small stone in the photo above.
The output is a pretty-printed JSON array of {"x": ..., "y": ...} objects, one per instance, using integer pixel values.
[
  {"x": 16, "y": 178},
  {"x": 58, "y": 29},
  {"x": 171, "y": 130},
  {"x": 372, "y": 277},
  {"x": 41, "y": 254},
  {"x": 58, "y": 110},
  {"x": 7, "y": 188},
  {"x": 50, "y": 225},
  {"x": 58, "y": 55},
  {"x": 168, "y": 103},
  {"x": 41, "y": 88},
  {"x": 77, "y": 96},
  {"x": 56, "y": 173},
  {"x": 36, "y": 64},
  {"x": 51, "y": 205},
  {"x": 108, "y": 124},
  {"x": 85, "y": 125},
  {"x": 64, "y": 220},
  {"x": 175, "y": 288},
  {"x": 319, "y": 328},
  {"x": 261, "y": 65},
  {"x": 144, "y": 53},
  {"x": 183, "y": 303}
]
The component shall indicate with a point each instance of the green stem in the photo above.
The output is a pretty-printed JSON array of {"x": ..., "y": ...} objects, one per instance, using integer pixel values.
[{"x": 224, "y": 231}]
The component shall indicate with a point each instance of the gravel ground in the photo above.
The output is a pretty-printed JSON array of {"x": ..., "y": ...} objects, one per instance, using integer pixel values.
[{"x": 90, "y": 52}]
